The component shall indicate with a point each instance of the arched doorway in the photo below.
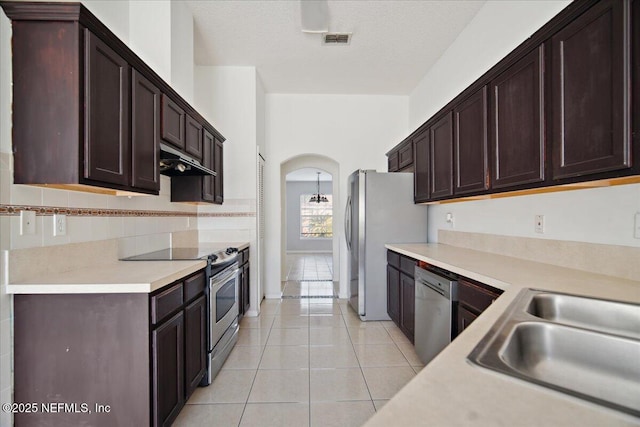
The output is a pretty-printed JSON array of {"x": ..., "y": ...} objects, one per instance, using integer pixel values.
[{"x": 300, "y": 165}]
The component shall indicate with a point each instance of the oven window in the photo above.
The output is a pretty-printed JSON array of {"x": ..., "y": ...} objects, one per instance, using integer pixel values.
[{"x": 225, "y": 299}]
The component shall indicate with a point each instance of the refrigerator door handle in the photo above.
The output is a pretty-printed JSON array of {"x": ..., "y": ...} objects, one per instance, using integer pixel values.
[{"x": 347, "y": 223}]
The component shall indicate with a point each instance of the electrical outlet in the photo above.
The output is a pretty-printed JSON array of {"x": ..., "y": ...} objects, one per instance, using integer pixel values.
[
  {"x": 59, "y": 225},
  {"x": 539, "y": 224},
  {"x": 636, "y": 233},
  {"x": 449, "y": 218},
  {"x": 27, "y": 222}
]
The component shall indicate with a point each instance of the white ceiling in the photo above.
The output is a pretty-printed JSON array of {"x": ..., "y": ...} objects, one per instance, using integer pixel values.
[
  {"x": 308, "y": 174},
  {"x": 394, "y": 42}
]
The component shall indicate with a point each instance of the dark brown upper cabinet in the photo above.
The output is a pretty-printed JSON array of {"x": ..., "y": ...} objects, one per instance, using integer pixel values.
[
  {"x": 635, "y": 37},
  {"x": 208, "y": 147},
  {"x": 145, "y": 133},
  {"x": 400, "y": 158},
  {"x": 517, "y": 137},
  {"x": 441, "y": 158},
  {"x": 87, "y": 112},
  {"x": 107, "y": 143},
  {"x": 471, "y": 144},
  {"x": 218, "y": 180},
  {"x": 392, "y": 161},
  {"x": 590, "y": 90},
  {"x": 173, "y": 121},
  {"x": 421, "y": 167},
  {"x": 193, "y": 137},
  {"x": 405, "y": 156}
]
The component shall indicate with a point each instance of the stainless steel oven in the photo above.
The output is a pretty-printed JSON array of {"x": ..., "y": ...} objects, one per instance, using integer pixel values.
[{"x": 223, "y": 317}]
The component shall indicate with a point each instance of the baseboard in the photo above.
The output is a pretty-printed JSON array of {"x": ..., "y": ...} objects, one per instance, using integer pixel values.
[{"x": 273, "y": 296}]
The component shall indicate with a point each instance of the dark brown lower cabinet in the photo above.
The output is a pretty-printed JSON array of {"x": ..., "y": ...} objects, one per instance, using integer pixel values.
[
  {"x": 195, "y": 335},
  {"x": 407, "y": 308},
  {"x": 401, "y": 292},
  {"x": 168, "y": 370},
  {"x": 107, "y": 349},
  {"x": 245, "y": 282},
  {"x": 473, "y": 299},
  {"x": 393, "y": 294}
]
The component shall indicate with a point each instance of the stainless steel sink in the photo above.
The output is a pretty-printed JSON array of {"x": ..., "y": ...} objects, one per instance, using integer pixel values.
[
  {"x": 600, "y": 315},
  {"x": 585, "y": 347}
]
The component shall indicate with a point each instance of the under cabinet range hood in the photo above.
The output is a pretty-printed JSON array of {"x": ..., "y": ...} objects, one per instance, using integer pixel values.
[{"x": 176, "y": 163}]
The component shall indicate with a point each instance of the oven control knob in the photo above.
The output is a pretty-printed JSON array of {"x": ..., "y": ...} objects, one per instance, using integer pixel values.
[
  {"x": 213, "y": 257},
  {"x": 229, "y": 251}
]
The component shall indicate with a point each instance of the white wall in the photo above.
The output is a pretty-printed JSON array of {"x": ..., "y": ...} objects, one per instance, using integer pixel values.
[
  {"x": 294, "y": 242},
  {"x": 182, "y": 50},
  {"x": 353, "y": 130},
  {"x": 603, "y": 215},
  {"x": 497, "y": 29},
  {"x": 227, "y": 97},
  {"x": 150, "y": 34}
]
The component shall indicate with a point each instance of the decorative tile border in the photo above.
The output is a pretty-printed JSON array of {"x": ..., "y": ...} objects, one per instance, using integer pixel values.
[{"x": 14, "y": 210}]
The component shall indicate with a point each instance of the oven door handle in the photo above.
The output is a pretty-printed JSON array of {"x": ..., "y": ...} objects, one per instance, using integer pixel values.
[{"x": 222, "y": 278}]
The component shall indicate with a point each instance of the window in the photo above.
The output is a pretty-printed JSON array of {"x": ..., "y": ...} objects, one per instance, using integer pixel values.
[{"x": 316, "y": 219}]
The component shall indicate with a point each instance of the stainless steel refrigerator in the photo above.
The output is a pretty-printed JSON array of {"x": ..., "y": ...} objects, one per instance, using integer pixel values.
[{"x": 379, "y": 210}]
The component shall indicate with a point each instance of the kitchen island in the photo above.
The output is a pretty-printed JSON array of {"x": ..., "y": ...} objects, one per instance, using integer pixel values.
[{"x": 450, "y": 391}]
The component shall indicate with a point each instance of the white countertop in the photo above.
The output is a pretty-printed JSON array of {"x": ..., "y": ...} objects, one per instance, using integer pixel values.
[
  {"x": 116, "y": 276},
  {"x": 450, "y": 391}
]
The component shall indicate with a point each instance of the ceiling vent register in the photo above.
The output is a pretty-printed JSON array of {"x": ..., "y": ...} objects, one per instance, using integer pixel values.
[{"x": 336, "y": 38}]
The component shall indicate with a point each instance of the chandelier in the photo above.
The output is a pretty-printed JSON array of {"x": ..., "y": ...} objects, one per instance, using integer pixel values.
[{"x": 318, "y": 198}]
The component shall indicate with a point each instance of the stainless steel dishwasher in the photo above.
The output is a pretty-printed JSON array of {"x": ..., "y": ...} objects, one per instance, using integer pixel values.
[{"x": 436, "y": 292}]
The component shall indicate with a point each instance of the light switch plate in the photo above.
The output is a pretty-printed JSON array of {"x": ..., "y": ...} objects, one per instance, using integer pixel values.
[{"x": 27, "y": 222}]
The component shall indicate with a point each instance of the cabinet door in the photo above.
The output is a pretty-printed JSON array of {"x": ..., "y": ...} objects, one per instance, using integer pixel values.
[
  {"x": 407, "y": 305},
  {"x": 471, "y": 144},
  {"x": 421, "y": 167},
  {"x": 193, "y": 137},
  {"x": 168, "y": 370},
  {"x": 195, "y": 348},
  {"x": 405, "y": 156},
  {"x": 393, "y": 294},
  {"x": 517, "y": 136},
  {"x": 208, "y": 144},
  {"x": 145, "y": 133},
  {"x": 218, "y": 183},
  {"x": 246, "y": 281},
  {"x": 465, "y": 317},
  {"x": 636, "y": 79},
  {"x": 590, "y": 92},
  {"x": 107, "y": 142},
  {"x": 173, "y": 120},
  {"x": 441, "y": 158}
]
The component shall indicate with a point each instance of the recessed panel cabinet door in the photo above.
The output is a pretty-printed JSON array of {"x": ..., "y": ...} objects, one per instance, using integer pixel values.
[
  {"x": 471, "y": 141},
  {"x": 107, "y": 142},
  {"x": 421, "y": 167},
  {"x": 393, "y": 294},
  {"x": 407, "y": 307},
  {"x": 145, "y": 133},
  {"x": 193, "y": 137},
  {"x": 441, "y": 158},
  {"x": 168, "y": 370},
  {"x": 208, "y": 146},
  {"x": 218, "y": 183},
  {"x": 195, "y": 347},
  {"x": 590, "y": 92},
  {"x": 517, "y": 137}
]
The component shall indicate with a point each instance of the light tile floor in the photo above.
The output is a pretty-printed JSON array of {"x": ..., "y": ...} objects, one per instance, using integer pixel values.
[
  {"x": 309, "y": 267},
  {"x": 305, "y": 362}
]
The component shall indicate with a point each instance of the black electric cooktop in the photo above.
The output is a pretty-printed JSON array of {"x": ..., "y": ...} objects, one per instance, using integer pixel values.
[
  {"x": 171, "y": 254},
  {"x": 177, "y": 254}
]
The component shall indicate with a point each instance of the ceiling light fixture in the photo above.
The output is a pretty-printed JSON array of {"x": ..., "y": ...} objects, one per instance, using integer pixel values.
[{"x": 318, "y": 198}]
